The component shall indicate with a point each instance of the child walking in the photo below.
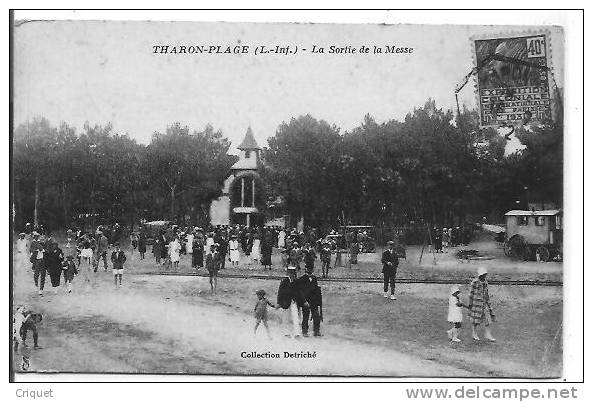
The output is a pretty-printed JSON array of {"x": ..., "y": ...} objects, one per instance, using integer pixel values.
[
  {"x": 261, "y": 311},
  {"x": 118, "y": 258},
  {"x": 69, "y": 270},
  {"x": 455, "y": 316},
  {"x": 212, "y": 267}
]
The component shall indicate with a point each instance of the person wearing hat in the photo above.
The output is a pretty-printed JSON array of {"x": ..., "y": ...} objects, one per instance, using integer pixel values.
[
  {"x": 291, "y": 299},
  {"x": 101, "y": 250},
  {"x": 141, "y": 246},
  {"x": 281, "y": 238},
  {"x": 455, "y": 315},
  {"x": 313, "y": 306},
  {"x": 295, "y": 256},
  {"x": 234, "y": 250},
  {"x": 189, "y": 242},
  {"x": 267, "y": 246},
  {"x": 222, "y": 250},
  {"x": 53, "y": 258},
  {"x": 480, "y": 311},
  {"x": 22, "y": 247},
  {"x": 309, "y": 256},
  {"x": 256, "y": 249},
  {"x": 212, "y": 267},
  {"x": 69, "y": 271},
  {"x": 325, "y": 256},
  {"x": 390, "y": 261},
  {"x": 118, "y": 258},
  {"x": 175, "y": 251},
  {"x": 197, "y": 255},
  {"x": 37, "y": 250},
  {"x": 260, "y": 311}
]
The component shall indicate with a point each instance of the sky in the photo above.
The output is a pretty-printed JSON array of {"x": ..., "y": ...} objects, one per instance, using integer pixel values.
[{"x": 106, "y": 71}]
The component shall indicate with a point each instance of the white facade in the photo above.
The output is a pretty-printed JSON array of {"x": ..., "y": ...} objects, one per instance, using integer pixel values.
[{"x": 246, "y": 167}]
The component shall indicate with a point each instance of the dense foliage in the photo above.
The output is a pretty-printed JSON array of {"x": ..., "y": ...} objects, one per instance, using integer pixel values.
[
  {"x": 431, "y": 167},
  {"x": 97, "y": 176}
]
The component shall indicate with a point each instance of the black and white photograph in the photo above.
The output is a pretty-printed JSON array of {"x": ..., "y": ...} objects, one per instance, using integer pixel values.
[{"x": 348, "y": 200}]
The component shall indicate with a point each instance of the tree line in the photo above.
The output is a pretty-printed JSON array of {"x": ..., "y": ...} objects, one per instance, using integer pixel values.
[
  {"x": 431, "y": 167},
  {"x": 62, "y": 177}
]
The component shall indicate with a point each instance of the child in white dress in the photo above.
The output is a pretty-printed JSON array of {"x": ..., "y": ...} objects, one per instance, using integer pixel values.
[
  {"x": 455, "y": 316},
  {"x": 255, "y": 251}
]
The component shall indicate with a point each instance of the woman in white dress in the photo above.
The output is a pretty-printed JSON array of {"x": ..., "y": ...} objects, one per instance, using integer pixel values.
[
  {"x": 234, "y": 251},
  {"x": 255, "y": 250},
  {"x": 174, "y": 249},
  {"x": 281, "y": 239},
  {"x": 189, "y": 241}
]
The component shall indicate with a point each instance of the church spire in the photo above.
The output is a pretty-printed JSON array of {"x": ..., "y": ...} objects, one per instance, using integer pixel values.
[{"x": 249, "y": 141}]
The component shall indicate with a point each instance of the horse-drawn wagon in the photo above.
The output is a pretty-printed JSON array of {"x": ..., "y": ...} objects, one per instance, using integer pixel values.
[{"x": 534, "y": 235}]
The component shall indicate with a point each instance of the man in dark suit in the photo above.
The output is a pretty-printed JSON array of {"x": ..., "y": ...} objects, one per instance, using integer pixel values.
[
  {"x": 291, "y": 299},
  {"x": 118, "y": 258},
  {"x": 313, "y": 305},
  {"x": 390, "y": 261}
]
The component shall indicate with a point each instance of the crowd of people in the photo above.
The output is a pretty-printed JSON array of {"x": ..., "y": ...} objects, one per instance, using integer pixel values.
[
  {"x": 255, "y": 243},
  {"x": 444, "y": 238},
  {"x": 84, "y": 253}
]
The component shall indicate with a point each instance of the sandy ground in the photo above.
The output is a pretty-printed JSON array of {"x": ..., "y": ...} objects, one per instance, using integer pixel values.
[
  {"x": 200, "y": 337},
  {"x": 164, "y": 324}
]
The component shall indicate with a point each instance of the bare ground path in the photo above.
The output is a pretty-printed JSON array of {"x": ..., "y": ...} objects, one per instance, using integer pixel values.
[{"x": 129, "y": 330}]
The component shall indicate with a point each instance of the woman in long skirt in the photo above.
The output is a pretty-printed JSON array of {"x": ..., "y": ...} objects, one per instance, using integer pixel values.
[
  {"x": 266, "y": 250},
  {"x": 480, "y": 311},
  {"x": 255, "y": 251},
  {"x": 157, "y": 250},
  {"x": 197, "y": 257},
  {"x": 142, "y": 245},
  {"x": 174, "y": 252},
  {"x": 234, "y": 251}
]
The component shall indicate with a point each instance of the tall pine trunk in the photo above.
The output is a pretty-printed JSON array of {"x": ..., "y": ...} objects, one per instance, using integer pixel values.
[
  {"x": 65, "y": 205},
  {"x": 36, "y": 211},
  {"x": 172, "y": 209}
]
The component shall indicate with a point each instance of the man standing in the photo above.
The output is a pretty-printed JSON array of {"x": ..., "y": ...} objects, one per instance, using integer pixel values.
[
  {"x": 390, "y": 262},
  {"x": 118, "y": 258},
  {"x": 101, "y": 250},
  {"x": 295, "y": 256},
  {"x": 290, "y": 298},
  {"x": 37, "y": 249},
  {"x": 313, "y": 302},
  {"x": 309, "y": 256},
  {"x": 325, "y": 255}
]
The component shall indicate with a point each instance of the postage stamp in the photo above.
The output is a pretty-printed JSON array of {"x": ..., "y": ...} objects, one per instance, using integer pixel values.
[{"x": 513, "y": 78}]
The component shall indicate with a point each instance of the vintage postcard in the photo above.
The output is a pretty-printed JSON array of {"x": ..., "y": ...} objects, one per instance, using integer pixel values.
[{"x": 287, "y": 199}]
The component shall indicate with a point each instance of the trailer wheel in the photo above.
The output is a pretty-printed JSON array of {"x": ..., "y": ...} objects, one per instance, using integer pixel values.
[
  {"x": 544, "y": 253},
  {"x": 516, "y": 248}
]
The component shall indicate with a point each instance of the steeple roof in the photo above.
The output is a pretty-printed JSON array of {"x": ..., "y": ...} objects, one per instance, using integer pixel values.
[{"x": 249, "y": 141}]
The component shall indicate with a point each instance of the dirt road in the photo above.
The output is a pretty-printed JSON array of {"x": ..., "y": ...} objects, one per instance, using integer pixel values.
[{"x": 132, "y": 330}]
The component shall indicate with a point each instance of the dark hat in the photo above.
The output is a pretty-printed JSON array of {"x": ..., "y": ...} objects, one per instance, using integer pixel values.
[{"x": 260, "y": 292}]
